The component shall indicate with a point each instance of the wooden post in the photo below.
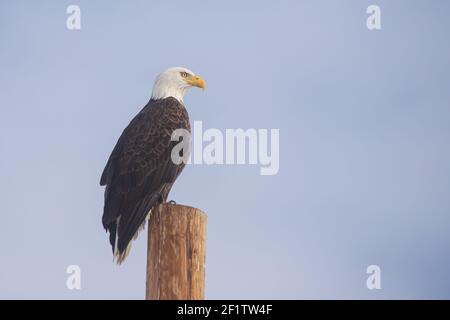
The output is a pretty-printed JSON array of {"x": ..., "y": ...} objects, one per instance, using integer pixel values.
[{"x": 176, "y": 253}]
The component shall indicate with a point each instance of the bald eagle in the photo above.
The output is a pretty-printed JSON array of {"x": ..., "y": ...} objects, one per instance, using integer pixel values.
[{"x": 140, "y": 172}]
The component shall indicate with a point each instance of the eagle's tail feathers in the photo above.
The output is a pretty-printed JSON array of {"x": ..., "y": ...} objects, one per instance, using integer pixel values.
[{"x": 120, "y": 256}]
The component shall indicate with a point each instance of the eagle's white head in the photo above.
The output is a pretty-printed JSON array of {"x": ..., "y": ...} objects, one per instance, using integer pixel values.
[{"x": 174, "y": 82}]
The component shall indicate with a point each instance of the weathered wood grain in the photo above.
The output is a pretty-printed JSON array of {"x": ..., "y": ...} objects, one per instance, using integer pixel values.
[{"x": 176, "y": 253}]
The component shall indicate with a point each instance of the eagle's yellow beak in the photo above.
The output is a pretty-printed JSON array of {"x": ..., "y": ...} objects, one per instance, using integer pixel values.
[{"x": 196, "y": 81}]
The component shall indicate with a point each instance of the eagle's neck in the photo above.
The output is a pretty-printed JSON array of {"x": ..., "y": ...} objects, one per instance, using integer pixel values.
[{"x": 161, "y": 91}]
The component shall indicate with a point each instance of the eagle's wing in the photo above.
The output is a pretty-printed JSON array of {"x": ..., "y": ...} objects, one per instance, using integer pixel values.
[{"x": 140, "y": 172}]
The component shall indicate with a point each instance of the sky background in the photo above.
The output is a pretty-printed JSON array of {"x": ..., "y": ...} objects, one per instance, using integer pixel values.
[{"x": 364, "y": 119}]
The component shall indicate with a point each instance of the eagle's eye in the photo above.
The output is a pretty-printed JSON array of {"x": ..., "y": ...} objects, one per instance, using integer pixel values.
[{"x": 184, "y": 74}]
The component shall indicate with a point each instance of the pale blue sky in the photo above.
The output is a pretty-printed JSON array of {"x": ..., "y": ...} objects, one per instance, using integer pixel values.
[{"x": 364, "y": 120}]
